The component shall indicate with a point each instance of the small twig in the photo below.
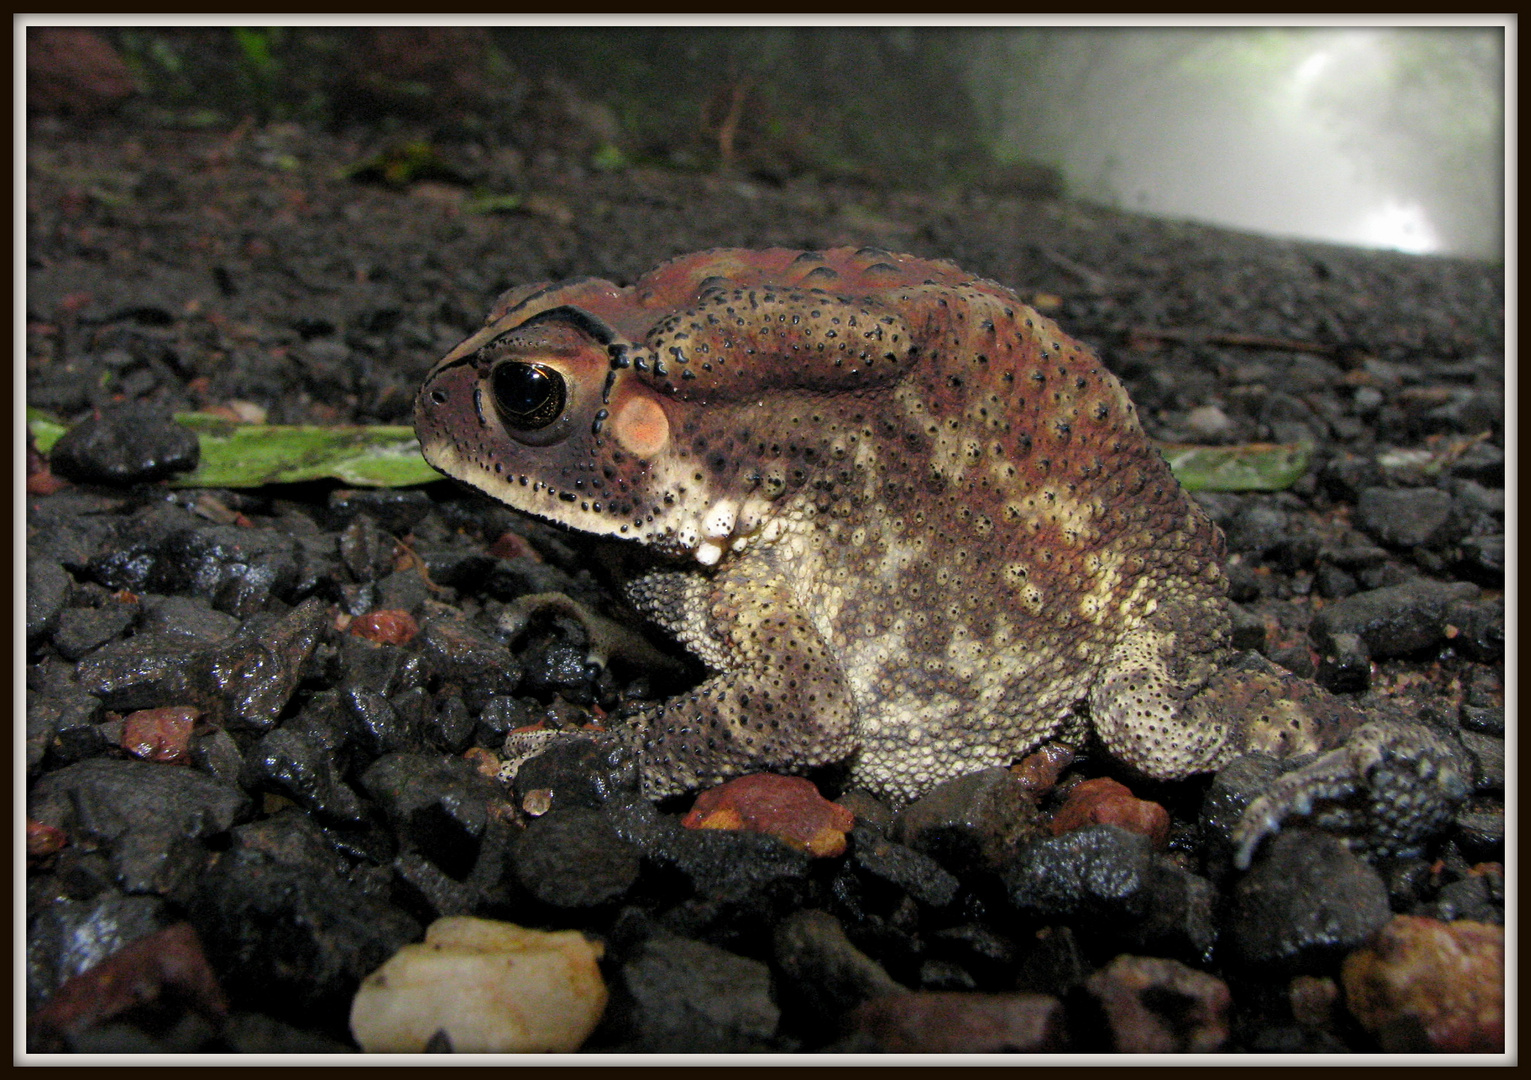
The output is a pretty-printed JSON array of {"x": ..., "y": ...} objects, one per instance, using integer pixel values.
[
  {"x": 1142, "y": 337},
  {"x": 730, "y": 125},
  {"x": 1093, "y": 280}
]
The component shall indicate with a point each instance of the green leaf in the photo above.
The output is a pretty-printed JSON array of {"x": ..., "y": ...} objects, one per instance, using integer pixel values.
[
  {"x": 609, "y": 158},
  {"x": 1252, "y": 467},
  {"x": 45, "y": 430},
  {"x": 251, "y": 455},
  {"x": 492, "y": 204},
  {"x": 404, "y": 164}
]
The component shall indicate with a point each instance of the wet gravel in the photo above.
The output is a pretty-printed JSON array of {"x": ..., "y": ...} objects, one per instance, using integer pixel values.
[{"x": 278, "y": 715}]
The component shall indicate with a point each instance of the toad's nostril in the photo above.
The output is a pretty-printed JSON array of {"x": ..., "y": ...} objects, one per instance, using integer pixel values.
[{"x": 439, "y": 396}]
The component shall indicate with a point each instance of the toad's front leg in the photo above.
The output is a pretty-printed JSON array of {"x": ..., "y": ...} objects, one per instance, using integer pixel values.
[{"x": 778, "y": 700}]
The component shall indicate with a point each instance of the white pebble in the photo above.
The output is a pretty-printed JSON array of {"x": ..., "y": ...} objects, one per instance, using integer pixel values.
[{"x": 493, "y": 987}]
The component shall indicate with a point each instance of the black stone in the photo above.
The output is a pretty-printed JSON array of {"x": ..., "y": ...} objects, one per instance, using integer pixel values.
[
  {"x": 1483, "y": 558},
  {"x": 824, "y": 973},
  {"x": 298, "y": 766},
  {"x": 990, "y": 955},
  {"x": 374, "y": 722},
  {"x": 1488, "y": 758},
  {"x": 500, "y": 716},
  {"x": 580, "y": 772},
  {"x": 457, "y": 653},
  {"x": 1407, "y": 517},
  {"x": 63, "y": 723},
  {"x": 1484, "y": 719},
  {"x": 191, "y": 617},
  {"x": 1479, "y": 897},
  {"x": 1348, "y": 670},
  {"x": 1333, "y": 583},
  {"x": 1306, "y": 901},
  {"x": 451, "y": 728},
  {"x": 893, "y": 865},
  {"x": 1248, "y": 628},
  {"x": 294, "y": 940},
  {"x": 427, "y": 891},
  {"x": 216, "y": 753},
  {"x": 154, "y": 816},
  {"x": 164, "y": 549},
  {"x": 1110, "y": 881},
  {"x": 681, "y": 996},
  {"x": 1480, "y": 834},
  {"x": 973, "y": 822},
  {"x": 366, "y": 550},
  {"x": 80, "y": 630},
  {"x": 1258, "y": 530},
  {"x": 397, "y": 510},
  {"x": 47, "y": 589},
  {"x": 1479, "y": 630},
  {"x": 718, "y": 864},
  {"x": 572, "y": 858},
  {"x": 130, "y": 444},
  {"x": 438, "y": 804},
  {"x": 243, "y": 683},
  {"x": 1393, "y": 621},
  {"x": 1096, "y": 873},
  {"x": 374, "y": 666}
]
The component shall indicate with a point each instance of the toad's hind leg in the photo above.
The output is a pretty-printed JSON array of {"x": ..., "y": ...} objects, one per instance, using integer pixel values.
[
  {"x": 1142, "y": 704},
  {"x": 778, "y": 700},
  {"x": 1386, "y": 783}
]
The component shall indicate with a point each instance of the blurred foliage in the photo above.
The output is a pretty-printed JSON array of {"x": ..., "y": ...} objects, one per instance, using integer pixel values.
[
  {"x": 862, "y": 101},
  {"x": 1122, "y": 113},
  {"x": 405, "y": 164},
  {"x": 873, "y": 103}
]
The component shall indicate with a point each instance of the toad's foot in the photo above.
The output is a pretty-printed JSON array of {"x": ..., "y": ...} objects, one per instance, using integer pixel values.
[
  {"x": 523, "y": 745},
  {"x": 1389, "y": 787}
]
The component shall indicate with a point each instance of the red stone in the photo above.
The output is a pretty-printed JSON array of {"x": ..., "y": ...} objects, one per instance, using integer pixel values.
[
  {"x": 44, "y": 840},
  {"x": 1423, "y": 984},
  {"x": 512, "y": 545},
  {"x": 388, "y": 627},
  {"x": 160, "y": 734},
  {"x": 1103, "y": 801},
  {"x": 1039, "y": 771},
  {"x": 74, "y": 70},
  {"x": 934, "y": 1022},
  {"x": 1153, "y": 1005},
  {"x": 165, "y": 965},
  {"x": 789, "y": 808}
]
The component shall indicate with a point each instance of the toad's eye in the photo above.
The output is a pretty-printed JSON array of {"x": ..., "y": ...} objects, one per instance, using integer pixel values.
[{"x": 528, "y": 397}]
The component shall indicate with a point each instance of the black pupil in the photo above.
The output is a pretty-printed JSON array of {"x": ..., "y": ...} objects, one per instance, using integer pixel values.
[{"x": 528, "y": 396}]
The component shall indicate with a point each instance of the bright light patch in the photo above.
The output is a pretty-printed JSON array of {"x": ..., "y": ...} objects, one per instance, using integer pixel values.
[
  {"x": 1311, "y": 68},
  {"x": 1403, "y": 226}
]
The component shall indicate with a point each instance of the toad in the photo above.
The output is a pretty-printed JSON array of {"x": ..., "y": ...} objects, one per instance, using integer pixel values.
[{"x": 907, "y": 523}]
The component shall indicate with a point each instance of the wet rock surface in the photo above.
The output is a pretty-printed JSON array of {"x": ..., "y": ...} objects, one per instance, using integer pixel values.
[
  {"x": 332, "y": 674},
  {"x": 126, "y": 445},
  {"x": 1306, "y": 900},
  {"x": 680, "y": 996}
]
